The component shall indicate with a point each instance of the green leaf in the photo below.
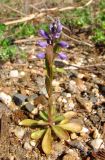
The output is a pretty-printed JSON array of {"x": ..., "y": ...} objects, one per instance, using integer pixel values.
[
  {"x": 61, "y": 133},
  {"x": 47, "y": 142},
  {"x": 42, "y": 123},
  {"x": 64, "y": 121},
  {"x": 43, "y": 115},
  {"x": 37, "y": 134},
  {"x": 58, "y": 118},
  {"x": 28, "y": 122},
  {"x": 73, "y": 127}
]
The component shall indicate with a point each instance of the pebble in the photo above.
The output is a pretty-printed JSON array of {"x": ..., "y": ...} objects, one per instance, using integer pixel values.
[
  {"x": 84, "y": 130},
  {"x": 71, "y": 104},
  {"x": 22, "y": 73},
  {"x": 27, "y": 146},
  {"x": 64, "y": 100},
  {"x": 33, "y": 143},
  {"x": 72, "y": 86},
  {"x": 19, "y": 132},
  {"x": 14, "y": 74},
  {"x": 74, "y": 136},
  {"x": 96, "y": 134},
  {"x": 72, "y": 155},
  {"x": 5, "y": 98},
  {"x": 68, "y": 95},
  {"x": 55, "y": 83},
  {"x": 97, "y": 143}
]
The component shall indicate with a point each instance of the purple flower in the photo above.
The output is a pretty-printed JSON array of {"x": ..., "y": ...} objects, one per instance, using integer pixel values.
[
  {"x": 41, "y": 55},
  {"x": 63, "y": 44},
  {"x": 59, "y": 27},
  {"x": 62, "y": 56},
  {"x": 43, "y": 34},
  {"x": 57, "y": 35},
  {"x": 42, "y": 44},
  {"x": 55, "y": 27}
]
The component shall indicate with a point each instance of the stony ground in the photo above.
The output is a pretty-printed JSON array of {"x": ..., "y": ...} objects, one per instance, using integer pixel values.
[{"x": 80, "y": 89}]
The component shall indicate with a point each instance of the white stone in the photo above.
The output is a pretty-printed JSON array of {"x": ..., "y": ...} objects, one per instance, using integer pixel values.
[
  {"x": 64, "y": 100},
  {"x": 5, "y": 98},
  {"x": 55, "y": 83},
  {"x": 33, "y": 143},
  {"x": 96, "y": 134},
  {"x": 68, "y": 95},
  {"x": 27, "y": 146},
  {"x": 84, "y": 130},
  {"x": 14, "y": 74},
  {"x": 97, "y": 143},
  {"x": 19, "y": 132},
  {"x": 22, "y": 73}
]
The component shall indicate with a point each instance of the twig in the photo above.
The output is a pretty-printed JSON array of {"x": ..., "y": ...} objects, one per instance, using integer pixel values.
[
  {"x": 24, "y": 19},
  {"x": 88, "y": 67},
  {"x": 14, "y": 10}
]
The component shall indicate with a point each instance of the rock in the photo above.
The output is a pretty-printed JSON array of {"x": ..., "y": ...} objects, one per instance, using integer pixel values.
[
  {"x": 19, "y": 99},
  {"x": 73, "y": 136},
  {"x": 72, "y": 86},
  {"x": 33, "y": 143},
  {"x": 85, "y": 103},
  {"x": 97, "y": 143},
  {"x": 5, "y": 98},
  {"x": 22, "y": 74},
  {"x": 19, "y": 132},
  {"x": 68, "y": 95},
  {"x": 64, "y": 100},
  {"x": 84, "y": 130},
  {"x": 14, "y": 74},
  {"x": 31, "y": 108},
  {"x": 27, "y": 146},
  {"x": 96, "y": 134},
  {"x": 72, "y": 155}
]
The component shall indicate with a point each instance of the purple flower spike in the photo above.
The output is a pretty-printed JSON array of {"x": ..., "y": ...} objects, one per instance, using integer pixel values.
[
  {"x": 43, "y": 34},
  {"x": 63, "y": 44},
  {"x": 41, "y": 55},
  {"x": 62, "y": 56},
  {"x": 42, "y": 44},
  {"x": 59, "y": 28}
]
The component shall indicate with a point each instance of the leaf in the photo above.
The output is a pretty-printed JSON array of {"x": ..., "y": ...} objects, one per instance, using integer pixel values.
[
  {"x": 73, "y": 127},
  {"x": 64, "y": 121},
  {"x": 42, "y": 123},
  {"x": 32, "y": 122},
  {"x": 28, "y": 122},
  {"x": 69, "y": 114},
  {"x": 43, "y": 115},
  {"x": 58, "y": 118},
  {"x": 61, "y": 133},
  {"x": 47, "y": 142},
  {"x": 37, "y": 134}
]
